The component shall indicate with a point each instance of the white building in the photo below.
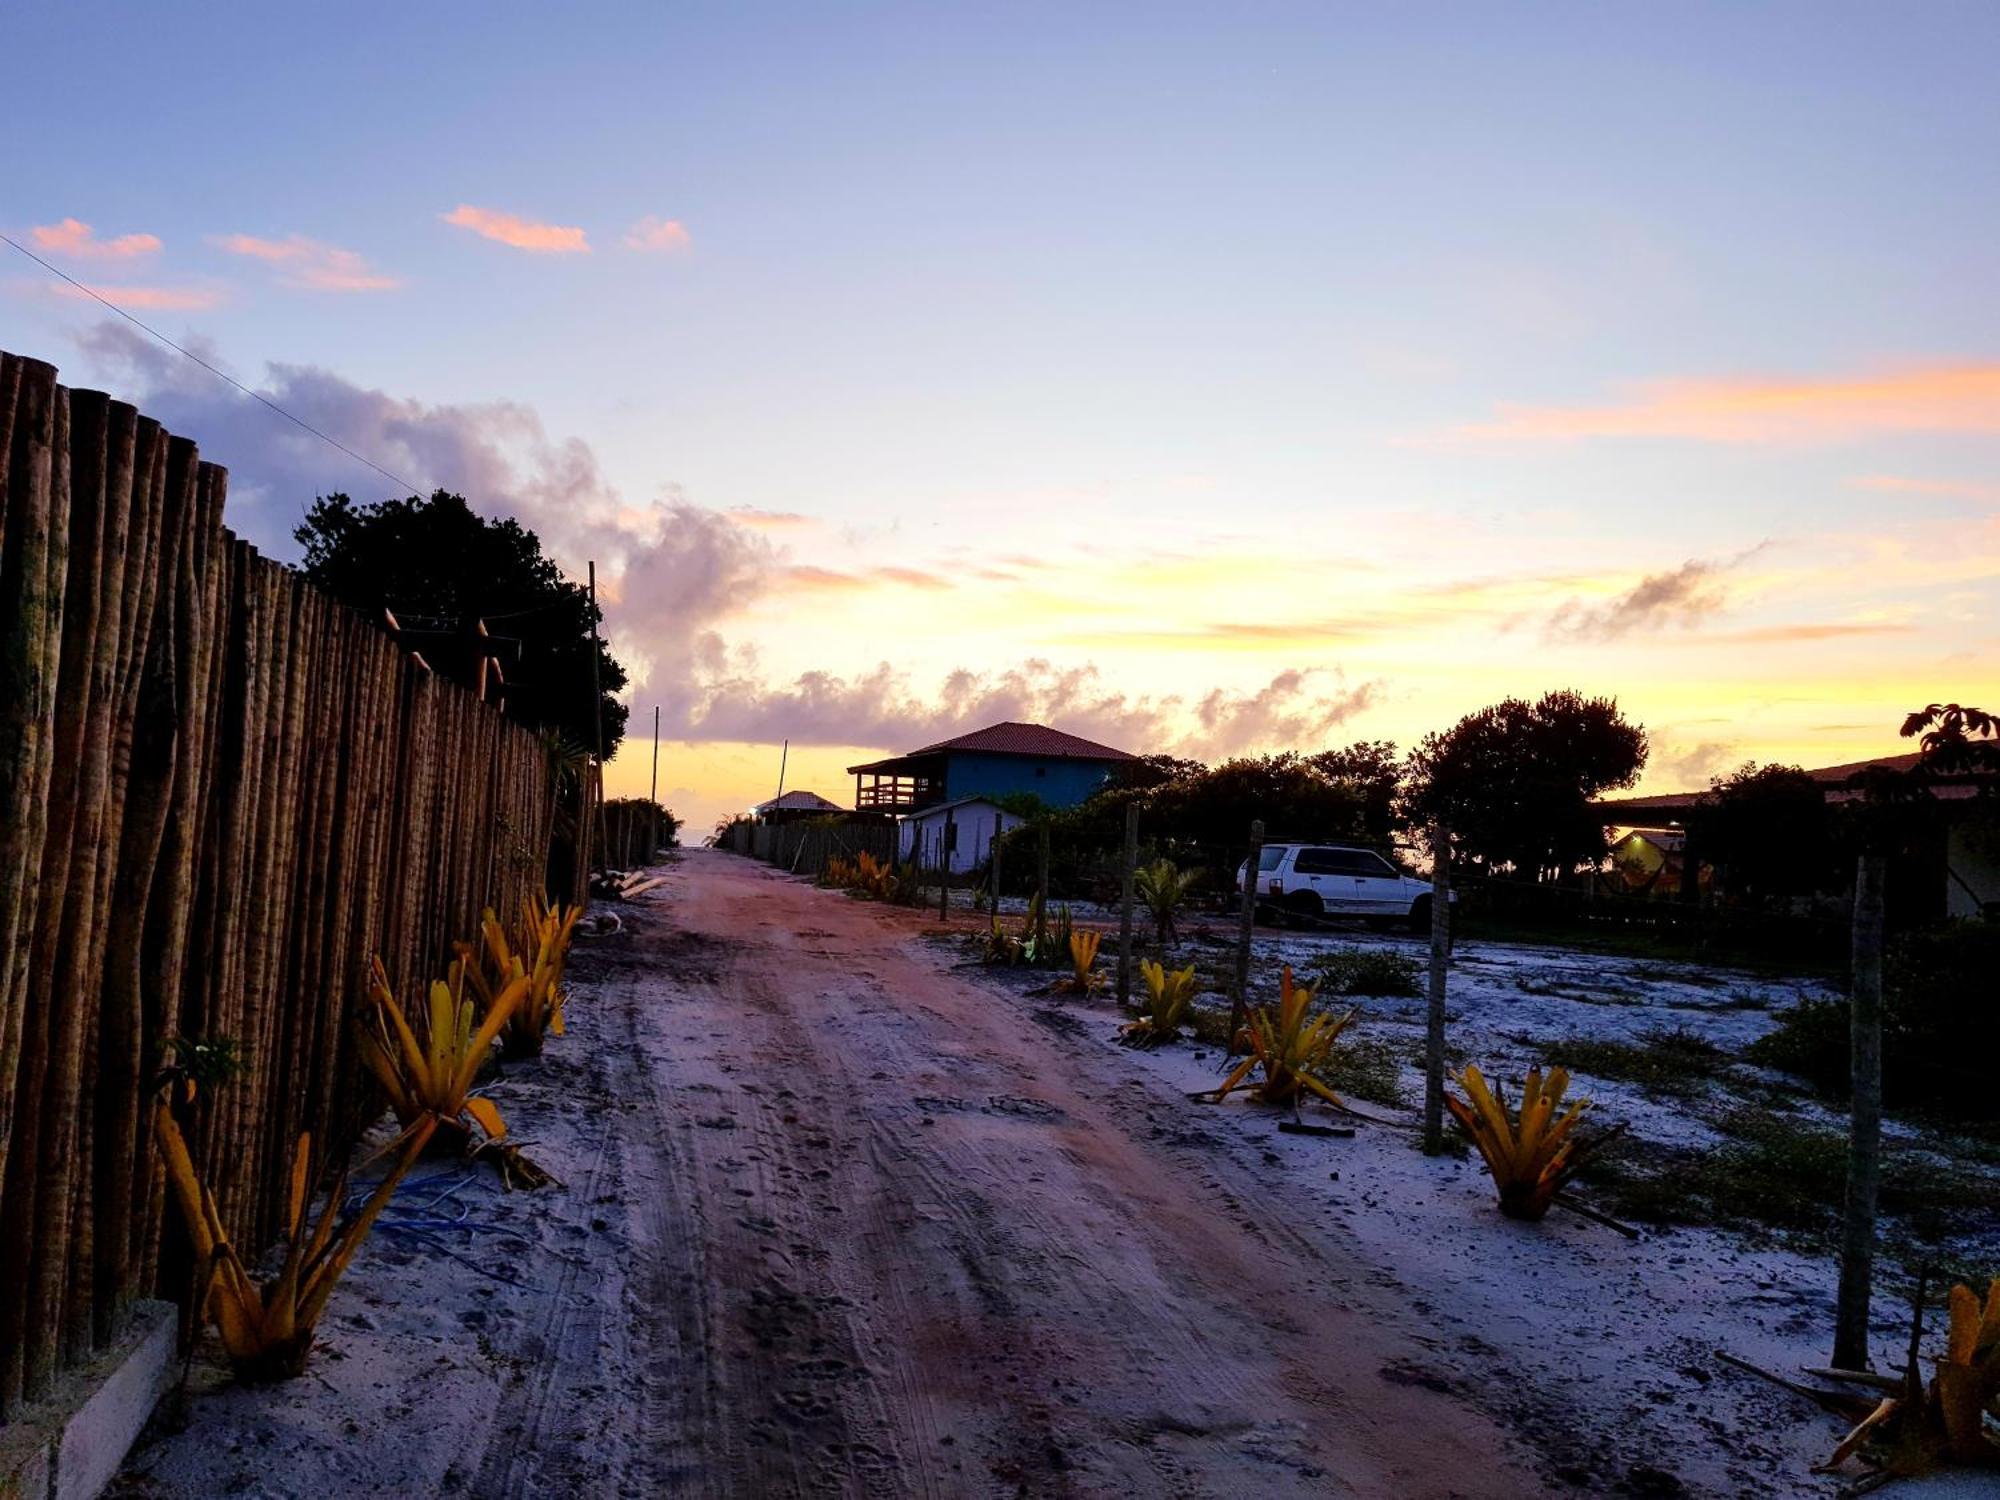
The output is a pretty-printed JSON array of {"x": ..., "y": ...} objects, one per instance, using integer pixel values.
[{"x": 966, "y": 827}]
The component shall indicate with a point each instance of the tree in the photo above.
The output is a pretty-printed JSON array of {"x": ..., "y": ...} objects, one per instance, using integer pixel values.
[
  {"x": 1372, "y": 772},
  {"x": 1770, "y": 828},
  {"x": 1514, "y": 782},
  {"x": 441, "y": 568}
]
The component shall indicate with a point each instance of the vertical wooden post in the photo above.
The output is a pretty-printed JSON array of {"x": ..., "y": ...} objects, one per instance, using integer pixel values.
[
  {"x": 596, "y": 699},
  {"x": 1125, "y": 903},
  {"x": 653, "y": 794},
  {"x": 998, "y": 829},
  {"x": 947, "y": 836},
  {"x": 1864, "y": 1153},
  {"x": 1434, "y": 1014},
  {"x": 1240, "y": 1001},
  {"x": 1042, "y": 885}
]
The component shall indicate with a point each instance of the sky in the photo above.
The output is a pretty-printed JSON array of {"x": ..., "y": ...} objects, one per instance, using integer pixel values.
[{"x": 1206, "y": 380}]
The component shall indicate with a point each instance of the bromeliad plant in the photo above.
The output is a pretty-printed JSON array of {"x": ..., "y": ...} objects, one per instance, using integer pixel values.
[
  {"x": 540, "y": 945},
  {"x": 267, "y": 1330},
  {"x": 1168, "y": 995},
  {"x": 427, "y": 1064},
  {"x": 1162, "y": 887},
  {"x": 1084, "y": 978},
  {"x": 1532, "y": 1153},
  {"x": 1292, "y": 1046}
]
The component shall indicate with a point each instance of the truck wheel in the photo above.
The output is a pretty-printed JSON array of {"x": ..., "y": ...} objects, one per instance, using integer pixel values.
[
  {"x": 1305, "y": 904},
  {"x": 1420, "y": 914}
]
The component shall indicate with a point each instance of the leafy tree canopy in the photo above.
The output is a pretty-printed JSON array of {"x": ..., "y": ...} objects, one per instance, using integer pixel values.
[
  {"x": 1770, "y": 828},
  {"x": 1514, "y": 782},
  {"x": 440, "y": 567}
]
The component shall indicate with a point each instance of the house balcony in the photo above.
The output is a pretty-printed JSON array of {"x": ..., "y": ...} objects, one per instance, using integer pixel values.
[{"x": 902, "y": 785}]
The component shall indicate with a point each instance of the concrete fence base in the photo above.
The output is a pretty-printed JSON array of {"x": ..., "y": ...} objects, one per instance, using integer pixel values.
[{"x": 69, "y": 1445}]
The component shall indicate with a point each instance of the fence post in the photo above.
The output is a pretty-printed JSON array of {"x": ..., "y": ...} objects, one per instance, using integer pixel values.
[
  {"x": 1864, "y": 1152},
  {"x": 1434, "y": 1015},
  {"x": 998, "y": 829},
  {"x": 1125, "y": 904},
  {"x": 1042, "y": 884},
  {"x": 1239, "y": 1002},
  {"x": 947, "y": 836}
]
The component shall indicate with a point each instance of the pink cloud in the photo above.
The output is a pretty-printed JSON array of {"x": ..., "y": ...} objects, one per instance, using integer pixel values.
[
  {"x": 74, "y": 237},
  {"x": 308, "y": 263},
  {"x": 1926, "y": 398},
  {"x": 522, "y": 234},
  {"x": 155, "y": 298},
  {"x": 655, "y": 233}
]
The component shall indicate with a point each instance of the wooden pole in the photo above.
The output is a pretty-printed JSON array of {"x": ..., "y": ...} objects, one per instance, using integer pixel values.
[
  {"x": 946, "y": 837},
  {"x": 784, "y": 755},
  {"x": 596, "y": 695},
  {"x": 1125, "y": 903},
  {"x": 998, "y": 829},
  {"x": 1240, "y": 1001},
  {"x": 1042, "y": 885},
  {"x": 1864, "y": 1153},
  {"x": 1434, "y": 1014}
]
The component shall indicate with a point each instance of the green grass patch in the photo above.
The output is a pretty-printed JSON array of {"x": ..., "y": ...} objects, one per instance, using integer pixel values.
[
  {"x": 1778, "y": 1177},
  {"x": 1674, "y": 1062},
  {"x": 1368, "y": 971}
]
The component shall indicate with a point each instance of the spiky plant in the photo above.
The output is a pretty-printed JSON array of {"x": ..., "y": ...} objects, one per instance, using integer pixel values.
[
  {"x": 1531, "y": 1152},
  {"x": 536, "y": 950},
  {"x": 267, "y": 1329},
  {"x": 1162, "y": 888},
  {"x": 1967, "y": 1389},
  {"x": 1083, "y": 977},
  {"x": 1292, "y": 1046},
  {"x": 427, "y": 1067},
  {"x": 1168, "y": 995}
]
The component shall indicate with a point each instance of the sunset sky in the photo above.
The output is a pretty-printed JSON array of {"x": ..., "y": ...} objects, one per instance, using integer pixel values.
[{"x": 1204, "y": 379}]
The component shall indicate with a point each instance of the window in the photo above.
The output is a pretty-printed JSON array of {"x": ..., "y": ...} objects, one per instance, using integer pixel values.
[
  {"x": 1272, "y": 857},
  {"x": 1358, "y": 862}
]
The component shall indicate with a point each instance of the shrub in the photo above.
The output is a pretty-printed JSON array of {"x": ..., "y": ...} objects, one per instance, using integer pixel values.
[
  {"x": 1161, "y": 887},
  {"x": 1940, "y": 1027},
  {"x": 1368, "y": 971},
  {"x": 1531, "y": 1152},
  {"x": 1292, "y": 1046}
]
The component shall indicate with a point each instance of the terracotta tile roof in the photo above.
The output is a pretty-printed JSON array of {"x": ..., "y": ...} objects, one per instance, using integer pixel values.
[{"x": 1027, "y": 739}]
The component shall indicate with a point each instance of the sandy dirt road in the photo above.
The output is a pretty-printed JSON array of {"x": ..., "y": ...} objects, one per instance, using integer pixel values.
[{"x": 894, "y": 1236}]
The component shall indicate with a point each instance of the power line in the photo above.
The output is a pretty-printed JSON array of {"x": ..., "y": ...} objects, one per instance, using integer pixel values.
[{"x": 218, "y": 374}]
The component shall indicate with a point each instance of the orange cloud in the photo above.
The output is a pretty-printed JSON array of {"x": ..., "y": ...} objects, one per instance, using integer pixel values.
[
  {"x": 522, "y": 234},
  {"x": 156, "y": 298},
  {"x": 1936, "y": 398},
  {"x": 308, "y": 263},
  {"x": 833, "y": 580},
  {"x": 769, "y": 520},
  {"x": 655, "y": 233},
  {"x": 74, "y": 237}
]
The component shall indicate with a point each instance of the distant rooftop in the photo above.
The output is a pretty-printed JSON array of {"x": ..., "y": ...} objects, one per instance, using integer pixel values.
[
  {"x": 798, "y": 802},
  {"x": 1037, "y": 740},
  {"x": 1834, "y": 776}
]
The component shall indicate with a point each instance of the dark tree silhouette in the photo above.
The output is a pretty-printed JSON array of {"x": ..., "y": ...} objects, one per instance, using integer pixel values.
[
  {"x": 1770, "y": 829},
  {"x": 1514, "y": 782},
  {"x": 439, "y": 567}
]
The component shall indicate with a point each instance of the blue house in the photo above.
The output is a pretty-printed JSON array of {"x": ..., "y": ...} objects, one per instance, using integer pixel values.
[{"x": 1061, "y": 769}]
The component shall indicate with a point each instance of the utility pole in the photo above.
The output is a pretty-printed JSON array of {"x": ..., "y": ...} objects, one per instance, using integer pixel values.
[
  {"x": 654, "y": 795},
  {"x": 784, "y": 755}
]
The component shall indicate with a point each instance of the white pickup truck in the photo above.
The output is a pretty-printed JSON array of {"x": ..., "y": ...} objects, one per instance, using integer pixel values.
[{"x": 1339, "y": 880}]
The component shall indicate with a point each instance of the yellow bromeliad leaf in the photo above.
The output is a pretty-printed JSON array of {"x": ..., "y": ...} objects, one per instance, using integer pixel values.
[{"x": 1531, "y": 1154}]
